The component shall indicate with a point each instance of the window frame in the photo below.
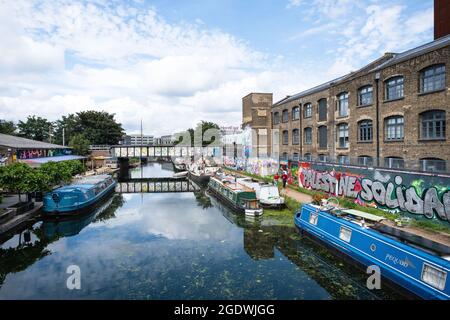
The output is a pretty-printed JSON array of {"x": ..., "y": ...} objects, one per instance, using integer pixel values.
[
  {"x": 320, "y": 146},
  {"x": 343, "y": 97},
  {"x": 319, "y": 109},
  {"x": 296, "y": 137},
  {"x": 296, "y": 113},
  {"x": 423, "y": 163},
  {"x": 396, "y": 125},
  {"x": 432, "y": 125},
  {"x": 390, "y": 159},
  {"x": 388, "y": 87},
  {"x": 285, "y": 119},
  {"x": 276, "y": 118},
  {"x": 308, "y": 132},
  {"x": 367, "y": 130},
  {"x": 307, "y": 109},
  {"x": 442, "y": 76},
  {"x": 283, "y": 137},
  {"x": 346, "y": 138},
  {"x": 361, "y": 93}
]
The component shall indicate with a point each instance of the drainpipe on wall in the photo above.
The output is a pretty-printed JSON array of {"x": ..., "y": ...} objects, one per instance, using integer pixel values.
[
  {"x": 377, "y": 109},
  {"x": 300, "y": 131}
]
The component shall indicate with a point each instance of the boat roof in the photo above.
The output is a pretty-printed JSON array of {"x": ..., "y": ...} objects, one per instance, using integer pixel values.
[
  {"x": 91, "y": 180},
  {"x": 229, "y": 181},
  {"x": 365, "y": 215}
]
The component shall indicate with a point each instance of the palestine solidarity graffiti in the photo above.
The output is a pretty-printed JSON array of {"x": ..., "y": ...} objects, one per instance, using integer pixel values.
[{"x": 420, "y": 195}]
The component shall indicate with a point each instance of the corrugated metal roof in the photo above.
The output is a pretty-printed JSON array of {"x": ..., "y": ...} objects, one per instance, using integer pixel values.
[
  {"x": 22, "y": 143},
  {"x": 428, "y": 47}
]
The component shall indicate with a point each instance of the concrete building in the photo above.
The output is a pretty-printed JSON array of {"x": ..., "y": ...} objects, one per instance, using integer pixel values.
[
  {"x": 393, "y": 112},
  {"x": 136, "y": 139}
]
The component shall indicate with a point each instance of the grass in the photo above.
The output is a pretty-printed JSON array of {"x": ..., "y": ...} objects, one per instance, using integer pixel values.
[
  {"x": 284, "y": 216},
  {"x": 293, "y": 206}
]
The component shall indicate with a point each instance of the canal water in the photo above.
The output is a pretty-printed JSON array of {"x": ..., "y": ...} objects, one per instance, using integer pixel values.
[{"x": 173, "y": 246}]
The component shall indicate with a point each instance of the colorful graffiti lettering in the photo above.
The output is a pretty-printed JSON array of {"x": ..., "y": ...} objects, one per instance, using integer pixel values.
[{"x": 386, "y": 193}]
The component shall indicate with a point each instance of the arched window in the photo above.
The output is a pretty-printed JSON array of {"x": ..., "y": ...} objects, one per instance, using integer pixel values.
[
  {"x": 365, "y": 161},
  {"x": 365, "y": 131},
  {"x": 394, "y": 162},
  {"x": 323, "y": 157},
  {"x": 343, "y": 104},
  {"x": 432, "y": 78},
  {"x": 307, "y": 157},
  {"x": 308, "y": 135},
  {"x": 307, "y": 110},
  {"x": 285, "y": 115},
  {"x": 323, "y": 137},
  {"x": 276, "y": 118},
  {"x": 394, "y": 128},
  {"x": 433, "y": 164},
  {"x": 285, "y": 137},
  {"x": 365, "y": 96},
  {"x": 284, "y": 156},
  {"x": 394, "y": 88},
  {"x": 342, "y": 130},
  {"x": 295, "y": 113},
  {"x": 296, "y": 136},
  {"x": 343, "y": 159},
  {"x": 323, "y": 110},
  {"x": 432, "y": 125},
  {"x": 295, "y": 156}
]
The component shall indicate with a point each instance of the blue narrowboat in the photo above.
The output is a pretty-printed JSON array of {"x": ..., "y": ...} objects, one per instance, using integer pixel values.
[
  {"x": 415, "y": 263},
  {"x": 79, "y": 195}
]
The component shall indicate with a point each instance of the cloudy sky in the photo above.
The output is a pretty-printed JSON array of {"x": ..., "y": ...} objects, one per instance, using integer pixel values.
[{"x": 173, "y": 63}]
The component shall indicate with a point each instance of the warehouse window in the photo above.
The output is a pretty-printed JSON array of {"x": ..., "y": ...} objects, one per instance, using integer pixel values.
[
  {"x": 365, "y": 130},
  {"x": 432, "y": 78},
  {"x": 307, "y": 110},
  {"x": 394, "y": 88},
  {"x": 323, "y": 137},
  {"x": 285, "y": 115},
  {"x": 296, "y": 136},
  {"x": 323, "y": 110},
  {"x": 308, "y": 135},
  {"x": 285, "y": 137},
  {"x": 432, "y": 125},
  {"x": 365, "y": 96},
  {"x": 295, "y": 113},
  {"x": 343, "y": 104},
  {"x": 343, "y": 135},
  {"x": 394, "y": 128}
]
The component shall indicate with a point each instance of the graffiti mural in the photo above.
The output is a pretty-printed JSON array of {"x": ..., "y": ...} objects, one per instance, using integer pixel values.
[
  {"x": 41, "y": 153},
  {"x": 419, "y": 194}
]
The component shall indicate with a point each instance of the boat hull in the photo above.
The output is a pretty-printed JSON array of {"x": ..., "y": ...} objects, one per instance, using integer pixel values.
[
  {"x": 228, "y": 202},
  {"x": 201, "y": 180},
  {"x": 398, "y": 262},
  {"x": 80, "y": 207}
]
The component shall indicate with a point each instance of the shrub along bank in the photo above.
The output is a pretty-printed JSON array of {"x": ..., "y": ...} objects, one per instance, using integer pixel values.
[{"x": 20, "y": 178}]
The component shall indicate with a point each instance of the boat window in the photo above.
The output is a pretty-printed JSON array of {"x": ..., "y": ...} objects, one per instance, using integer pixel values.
[
  {"x": 434, "y": 276},
  {"x": 313, "y": 217},
  {"x": 345, "y": 234}
]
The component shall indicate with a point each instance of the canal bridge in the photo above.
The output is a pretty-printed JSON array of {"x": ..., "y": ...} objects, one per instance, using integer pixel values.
[
  {"x": 161, "y": 151},
  {"x": 156, "y": 185}
]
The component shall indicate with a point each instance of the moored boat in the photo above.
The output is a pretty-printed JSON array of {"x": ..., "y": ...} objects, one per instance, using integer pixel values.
[
  {"x": 267, "y": 194},
  {"x": 82, "y": 193},
  {"x": 415, "y": 263},
  {"x": 236, "y": 195},
  {"x": 201, "y": 175}
]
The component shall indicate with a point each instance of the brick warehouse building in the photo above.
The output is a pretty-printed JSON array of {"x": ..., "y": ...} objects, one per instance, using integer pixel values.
[{"x": 394, "y": 112}]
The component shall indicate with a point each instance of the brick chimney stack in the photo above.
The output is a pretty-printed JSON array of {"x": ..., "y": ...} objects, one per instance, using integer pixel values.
[{"x": 441, "y": 18}]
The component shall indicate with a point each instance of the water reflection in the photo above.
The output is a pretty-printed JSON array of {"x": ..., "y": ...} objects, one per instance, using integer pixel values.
[{"x": 173, "y": 246}]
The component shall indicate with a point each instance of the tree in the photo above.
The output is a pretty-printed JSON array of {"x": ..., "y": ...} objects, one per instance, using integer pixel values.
[
  {"x": 80, "y": 144},
  {"x": 57, "y": 172},
  {"x": 68, "y": 124},
  {"x": 35, "y": 128},
  {"x": 7, "y": 127},
  {"x": 14, "y": 178},
  {"x": 99, "y": 127},
  {"x": 202, "y": 133}
]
